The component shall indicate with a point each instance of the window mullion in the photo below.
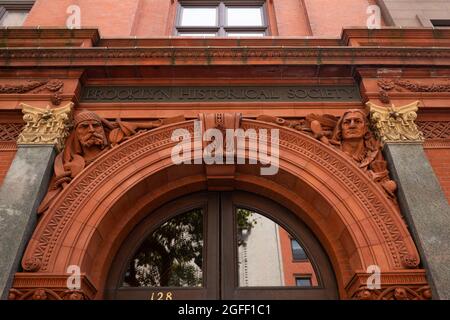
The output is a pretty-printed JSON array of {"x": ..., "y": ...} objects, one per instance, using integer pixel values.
[{"x": 222, "y": 12}]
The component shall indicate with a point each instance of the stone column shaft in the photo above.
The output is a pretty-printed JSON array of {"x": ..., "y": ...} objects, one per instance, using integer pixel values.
[
  {"x": 421, "y": 199},
  {"x": 26, "y": 183},
  {"x": 21, "y": 193},
  {"x": 426, "y": 210}
]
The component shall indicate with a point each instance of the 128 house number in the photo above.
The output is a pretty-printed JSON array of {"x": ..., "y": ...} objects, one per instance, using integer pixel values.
[{"x": 161, "y": 296}]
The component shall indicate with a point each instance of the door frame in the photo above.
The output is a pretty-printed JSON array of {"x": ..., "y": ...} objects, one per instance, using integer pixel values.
[{"x": 220, "y": 274}]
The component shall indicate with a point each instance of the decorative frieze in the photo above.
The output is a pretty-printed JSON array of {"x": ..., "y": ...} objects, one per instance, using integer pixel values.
[
  {"x": 49, "y": 287},
  {"x": 413, "y": 86},
  {"x": 54, "y": 86},
  {"x": 46, "y": 126},
  {"x": 400, "y": 285},
  {"x": 395, "y": 124},
  {"x": 183, "y": 55}
]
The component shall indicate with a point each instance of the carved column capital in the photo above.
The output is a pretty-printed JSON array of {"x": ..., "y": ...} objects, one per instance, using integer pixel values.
[
  {"x": 46, "y": 126},
  {"x": 395, "y": 124}
]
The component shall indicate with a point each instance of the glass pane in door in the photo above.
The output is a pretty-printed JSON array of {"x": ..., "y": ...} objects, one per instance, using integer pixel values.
[
  {"x": 269, "y": 256},
  {"x": 171, "y": 256}
]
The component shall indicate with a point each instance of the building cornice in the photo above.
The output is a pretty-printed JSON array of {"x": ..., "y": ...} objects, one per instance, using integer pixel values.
[{"x": 46, "y": 57}]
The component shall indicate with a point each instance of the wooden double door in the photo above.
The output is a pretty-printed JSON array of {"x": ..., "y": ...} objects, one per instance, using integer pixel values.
[{"x": 221, "y": 245}]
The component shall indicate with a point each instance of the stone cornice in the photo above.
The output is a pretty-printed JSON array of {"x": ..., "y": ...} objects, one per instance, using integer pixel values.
[
  {"x": 224, "y": 56},
  {"x": 386, "y": 36},
  {"x": 13, "y": 33}
]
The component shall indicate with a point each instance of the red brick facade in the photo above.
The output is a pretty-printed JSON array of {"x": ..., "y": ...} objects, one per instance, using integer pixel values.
[
  {"x": 440, "y": 161},
  {"x": 6, "y": 157},
  {"x": 309, "y": 43}
]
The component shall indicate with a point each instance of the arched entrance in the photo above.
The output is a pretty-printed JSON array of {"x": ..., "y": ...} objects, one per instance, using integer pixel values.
[
  {"x": 236, "y": 244},
  {"x": 356, "y": 225}
]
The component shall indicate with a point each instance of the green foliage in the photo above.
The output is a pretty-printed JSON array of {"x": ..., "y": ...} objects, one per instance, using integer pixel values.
[{"x": 173, "y": 254}]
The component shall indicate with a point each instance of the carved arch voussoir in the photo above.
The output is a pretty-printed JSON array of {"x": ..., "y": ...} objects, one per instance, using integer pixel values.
[{"x": 49, "y": 232}]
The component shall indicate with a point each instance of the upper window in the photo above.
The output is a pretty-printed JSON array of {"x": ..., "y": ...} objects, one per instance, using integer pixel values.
[
  {"x": 440, "y": 22},
  {"x": 14, "y": 13},
  {"x": 221, "y": 18},
  {"x": 303, "y": 281}
]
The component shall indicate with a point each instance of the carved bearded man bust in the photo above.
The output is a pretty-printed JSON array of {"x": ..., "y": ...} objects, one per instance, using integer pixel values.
[
  {"x": 85, "y": 144},
  {"x": 91, "y": 137}
]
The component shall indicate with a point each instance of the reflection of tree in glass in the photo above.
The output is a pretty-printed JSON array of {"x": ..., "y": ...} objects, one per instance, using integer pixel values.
[
  {"x": 171, "y": 255},
  {"x": 245, "y": 223}
]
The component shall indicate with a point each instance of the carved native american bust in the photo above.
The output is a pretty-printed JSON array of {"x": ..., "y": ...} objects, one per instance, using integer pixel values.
[
  {"x": 352, "y": 136},
  {"x": 91, "y": 137}
]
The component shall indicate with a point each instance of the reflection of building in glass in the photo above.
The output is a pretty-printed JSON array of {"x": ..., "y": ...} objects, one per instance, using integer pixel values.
[{"x": 266, "y": 258}]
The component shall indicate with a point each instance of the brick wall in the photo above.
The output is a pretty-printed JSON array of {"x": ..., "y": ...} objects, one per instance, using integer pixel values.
[
  {"x": 6, "y": 157},
  {"x": 440, "y": 161},
  {"x": 155, "y": 18}
]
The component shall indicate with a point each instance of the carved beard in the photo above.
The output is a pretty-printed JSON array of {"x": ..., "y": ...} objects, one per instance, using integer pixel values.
[{"x": 92, "y": 139}]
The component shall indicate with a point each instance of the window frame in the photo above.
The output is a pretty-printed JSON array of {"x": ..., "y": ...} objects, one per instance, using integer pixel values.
[
  {"x": 19, "y": 5},
  {"x": 440, "y": 23},
  {"x": 303, "y": 276},
  {"x": 221, "y": 29}
]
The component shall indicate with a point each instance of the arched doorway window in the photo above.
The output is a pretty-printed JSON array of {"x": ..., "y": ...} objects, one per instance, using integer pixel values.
[{"x": 221, "y": 245}]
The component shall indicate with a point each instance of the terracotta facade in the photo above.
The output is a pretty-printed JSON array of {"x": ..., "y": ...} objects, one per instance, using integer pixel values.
[{"x": 131, "y": 44}]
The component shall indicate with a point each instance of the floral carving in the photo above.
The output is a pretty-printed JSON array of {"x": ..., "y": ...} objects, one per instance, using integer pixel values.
[
  {"x": 47, "y": 294},
  {"x": 395, "y": 124},
  {"x": 45, "y": 126},
  {"x": 410, "y": 262},
  {"x": 402, "y": 85},
  {"x": 394, "y": 293},
  {"x": 31, "y": 264},
  {"x": 55, "y": 86}
]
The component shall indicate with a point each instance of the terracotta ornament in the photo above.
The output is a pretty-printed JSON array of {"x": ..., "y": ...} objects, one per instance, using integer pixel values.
[
  {"x": 395, "y": 124},
  {"x": 351, "y": 135},
  {"x": 91, "y": 137},
  {"x": 48, "y": 126}
]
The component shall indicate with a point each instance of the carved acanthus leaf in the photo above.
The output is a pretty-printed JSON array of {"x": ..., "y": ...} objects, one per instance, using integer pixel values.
[
  {"x": 395, "y": 124},
  {"x": 46, "y": 126}
]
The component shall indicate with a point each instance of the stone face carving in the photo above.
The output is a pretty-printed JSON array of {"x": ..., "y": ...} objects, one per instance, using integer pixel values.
[
  {"x": 395, "y": 124},
  {"x": 46, "y": 126},
  {"x": 351, "y": 135},
  {"x": 91, "y": 137}
]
